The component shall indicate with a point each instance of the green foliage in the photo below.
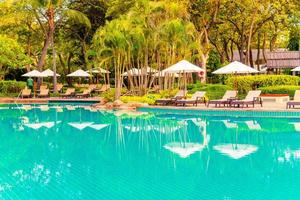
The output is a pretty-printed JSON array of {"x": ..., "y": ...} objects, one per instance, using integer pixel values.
[
  {"x": 246, "y": 83},
  {"x": 213, "y": 64},
  {"x": 280, "y": 89},
  {"x": 7, "y": 87},
  {"x": 149, "y": 99},
  {"x": 11, "y": 53},
  {"x": 294, "y": 39},
  {"x": 168, "y": 93},
  {"x": 110, "y": 94},
  {"x": 213, "y": 91}
]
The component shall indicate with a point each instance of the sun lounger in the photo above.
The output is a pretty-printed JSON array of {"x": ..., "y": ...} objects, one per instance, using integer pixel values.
[
  {"x": 227, "y": 98},
  {"x": 180, "y": 95},
  {"x": 103, "y": 88},
  {"x": 92, "y": 87},
  {"x": 70, "y": 92},
  {"x": 26, "y": 93},
  {"x": 154, "y": 89},
  {"x": 59, "y": 87},
  {"x": 252, "y": 98},
  {"x": 295, "y": 101},
  {"x": 198, "y": 97},
  {"x": 43, "y": 87},
  {"x": 43, "y": 93},
  {"x": 85, "y": 94}
]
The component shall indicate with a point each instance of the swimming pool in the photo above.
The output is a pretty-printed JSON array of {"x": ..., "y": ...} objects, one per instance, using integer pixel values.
[{"x": 71, "y": 152}]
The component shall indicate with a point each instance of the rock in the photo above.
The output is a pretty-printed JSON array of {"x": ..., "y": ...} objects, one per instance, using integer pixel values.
[
  {"x": 109, "y": 106},
  {"x": 117, "y": 103},
  {"x": 137, "y": 104},
  {"x": 103, "y": 101}
]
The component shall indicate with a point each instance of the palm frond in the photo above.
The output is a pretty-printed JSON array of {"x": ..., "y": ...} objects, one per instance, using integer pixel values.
[{"x": 78, "y": 17}]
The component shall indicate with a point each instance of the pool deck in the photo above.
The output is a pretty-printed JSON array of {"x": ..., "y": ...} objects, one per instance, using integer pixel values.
[
  {"x": 47, "y": 100},
  {"x": 267, "y": 106}
]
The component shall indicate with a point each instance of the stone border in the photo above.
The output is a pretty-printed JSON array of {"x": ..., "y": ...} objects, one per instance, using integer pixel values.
[{"x": 222, "y": 112}]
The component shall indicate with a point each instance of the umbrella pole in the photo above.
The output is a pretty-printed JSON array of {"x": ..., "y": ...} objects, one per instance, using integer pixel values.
[
  {"x": 185, "y": 87},
  {"x": 34, "y": 87},
  {"x": 235, "y": 82}
]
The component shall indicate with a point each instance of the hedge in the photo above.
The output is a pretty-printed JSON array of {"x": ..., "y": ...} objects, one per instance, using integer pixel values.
[
  {"x": 246, "y": 83},
  {"x": 213, "y": 91},
  {"x": 280, "y": 89},
  {"x": 7, "y": 87},
  {"x": 149, "y": 99}
]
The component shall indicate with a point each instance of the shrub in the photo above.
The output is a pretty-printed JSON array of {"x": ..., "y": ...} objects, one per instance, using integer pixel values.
[
  {"x": 7, "y": 87},
  {"x": 213, "y": 91},
  {"x": 280, "y": 89},
  {"x": 110, "y": 94},
  {"x": 246, "y": 83},
  {"x": 149, "y": 99},
  {"x": 168, "y": 93}
]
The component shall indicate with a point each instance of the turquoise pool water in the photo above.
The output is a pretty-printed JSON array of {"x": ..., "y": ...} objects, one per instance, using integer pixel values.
[{"x": 70, "y": 152}]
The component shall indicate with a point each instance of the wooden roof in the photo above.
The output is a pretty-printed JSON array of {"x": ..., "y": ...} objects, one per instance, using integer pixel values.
[
  {"x": 283, "y": 59},
  {"x": 236, "y": 55}
]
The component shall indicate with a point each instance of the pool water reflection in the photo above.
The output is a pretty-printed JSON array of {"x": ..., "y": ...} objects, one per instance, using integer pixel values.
[{"x": 69, "y": 152}]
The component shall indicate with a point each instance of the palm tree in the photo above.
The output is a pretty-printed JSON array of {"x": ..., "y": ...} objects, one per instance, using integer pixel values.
[
  {"x": 50, "y": 14},
  {"x": 156, "y": 38}
]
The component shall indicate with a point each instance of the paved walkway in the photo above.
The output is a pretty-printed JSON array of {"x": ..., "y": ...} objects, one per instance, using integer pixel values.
[
  {"x": 46, "y": 100},
  {"x": 267, "y": 106}
]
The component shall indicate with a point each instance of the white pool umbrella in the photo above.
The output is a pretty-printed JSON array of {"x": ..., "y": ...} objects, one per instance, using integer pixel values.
[
  {"x": 151, "y": 70},
  {"x": 296, "y": 126},
  {"x": 99, "y": 70},
  {"x": 297, "y": 69},
  {"x": 263, "y": 70},
  {"x": 183, "y": 67},
  {"x": 79, "y": 73},
  {"x": 139, "y": 72},
  {"x": 49, "y": 72},
  {"x": 37, "y": 126},
  {"x": 132, "y": 72},
  {"x": 253, "y": 125},
  {"x": 35, "y": 74},
  {"x": 229, "y": 124},
  {"x": 80, "y": 125},
  {"x": 236, "y": 151},
  {"x": 98, "y": 127},
  {"x": 164, "y": 74},
  {"x": 184, "y": 150},
  {"x": 236, "y": 68}
]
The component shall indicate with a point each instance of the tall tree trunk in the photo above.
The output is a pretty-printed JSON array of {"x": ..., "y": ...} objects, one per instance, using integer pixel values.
[
  {"x": 225, "y": 47},
  {"x": 48, "y": 38},
  {"x": 250, "y": 39},
  {"x": 231, "y": 51},
  {"x": 264, "y": 47},
  {"x": 51, "y": 14},
  {"x": 42, "y": 58},
  {"x": 251, "y": 58},
  {"x": 204, "y": 59},
  {"x": 28, "y": 51},
  {"x": 242, "y": 45},
  {"x": 258, "y": 52}
]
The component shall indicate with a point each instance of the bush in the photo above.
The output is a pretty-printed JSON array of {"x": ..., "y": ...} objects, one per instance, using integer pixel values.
[
  {"x": 280, "y": 89},
  {"x": 149, "y": 99},
  {"x": 213, "y": 91},
  {"x": 7, "y": 87},
  {"x": 168, "y": 93},
  {"x": 246, "y": 83},
  {"x": 110, "y": 94}
]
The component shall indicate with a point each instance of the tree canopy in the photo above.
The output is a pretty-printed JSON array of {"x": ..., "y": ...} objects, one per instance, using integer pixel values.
[{"x": 120, "y": 35}]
